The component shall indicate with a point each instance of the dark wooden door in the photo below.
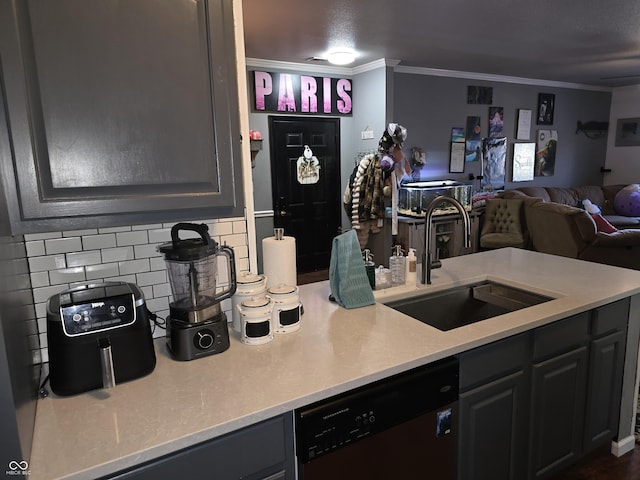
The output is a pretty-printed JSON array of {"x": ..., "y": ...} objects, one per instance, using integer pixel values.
[{"x": 310, "y": 212}]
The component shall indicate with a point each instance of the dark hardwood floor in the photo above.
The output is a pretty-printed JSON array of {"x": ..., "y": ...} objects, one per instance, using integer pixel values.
[{"x": 602, "y": 465}]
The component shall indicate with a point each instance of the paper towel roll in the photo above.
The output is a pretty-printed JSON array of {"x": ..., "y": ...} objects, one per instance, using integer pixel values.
[{"x": 279, "y": 261}]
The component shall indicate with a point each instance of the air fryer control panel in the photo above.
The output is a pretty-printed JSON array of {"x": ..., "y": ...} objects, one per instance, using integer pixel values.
[{"x": 98, "y": 314}]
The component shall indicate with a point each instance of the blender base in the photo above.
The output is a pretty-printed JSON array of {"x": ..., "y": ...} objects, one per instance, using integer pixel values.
[{"x": 188, "y": 341}]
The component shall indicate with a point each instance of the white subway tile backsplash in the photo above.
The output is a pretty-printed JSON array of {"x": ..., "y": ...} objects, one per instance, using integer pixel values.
[
  {"x": 35, "y": 248},
  {"x": 79, "y": 233},
  {"x": 80, "y": 259},
  {"x": 62, "y": 245},
  {"x": 39, "y": 279},
  {"x": 146, "y": 227},
  {"x": 161, "y": 290},
  {"x": 157, "y": 304},
  {"x": 114, "y": 229},
  {"x": 240, "y": 227},
  {"x": 157, "y": 263},
  {"x": 151, "y": 278},
  {"x": 42, "y": 294},
  {"x": 223, "y": 228},
  {"x": 132, "y": 238},
  {"x": 67, "y": 275},
  {"x": 133, "y": 266},
  {"x": 160, "y": 235},
  {"x": 145, "y": 251},
  {"x": 47, "y": 262},
  {"x": 97, "y": 242},
  {"x": 104, "y": 270},
  {"x": 41, "y": 236},
  {"x": 117, "y": 254}
]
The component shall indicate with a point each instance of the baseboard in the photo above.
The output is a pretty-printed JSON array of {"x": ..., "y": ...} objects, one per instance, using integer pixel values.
[{"x": 623, "y": 446}]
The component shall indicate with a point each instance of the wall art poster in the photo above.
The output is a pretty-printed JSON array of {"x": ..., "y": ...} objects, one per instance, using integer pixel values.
[
  {"x": 524, "y": 124},
  {"x": 457, "y": 134},
  {"x": 496, "y": 125},
  {"x": 547, "y": 144},
  {"x": 473, "y": 151},
  {"x": 480, "y": 95},
  {"x": 494, "y": 154},
  {"x": 628, "y": 132},
  {"x": 456, "y": 161},
  {"x": 524, "y": 159},
  {"x": 546, "y": 105}
]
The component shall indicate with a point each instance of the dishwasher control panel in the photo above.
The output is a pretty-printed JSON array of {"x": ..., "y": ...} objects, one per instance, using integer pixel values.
[{"x": 339, "y": 421}]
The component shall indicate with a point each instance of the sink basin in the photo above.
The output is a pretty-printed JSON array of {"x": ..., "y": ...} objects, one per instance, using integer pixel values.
[{"x": 465, "y": 305}]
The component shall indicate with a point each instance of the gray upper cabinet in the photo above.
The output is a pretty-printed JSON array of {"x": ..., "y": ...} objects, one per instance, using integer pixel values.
[{"x": 118, "y": 112}]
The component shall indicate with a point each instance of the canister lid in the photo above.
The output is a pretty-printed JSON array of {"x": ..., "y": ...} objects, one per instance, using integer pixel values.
[
  {"x": 247, "y": 278},
  {"x": 282, "y": 289},
  {"x": 256, "y": 302}
]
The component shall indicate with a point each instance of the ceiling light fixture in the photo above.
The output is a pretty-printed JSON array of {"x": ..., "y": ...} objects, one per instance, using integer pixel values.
[{"x": 341, "y": 56}]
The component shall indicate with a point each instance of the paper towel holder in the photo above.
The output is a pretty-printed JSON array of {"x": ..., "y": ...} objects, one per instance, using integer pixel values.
[{"x": 278, "y": 233}]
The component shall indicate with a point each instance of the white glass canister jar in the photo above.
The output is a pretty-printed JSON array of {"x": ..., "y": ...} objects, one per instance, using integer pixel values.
[
  {"x": 286, "y": 308},
  {"x": 248, "y": 285},
  {"x": 255, "y": 320}
]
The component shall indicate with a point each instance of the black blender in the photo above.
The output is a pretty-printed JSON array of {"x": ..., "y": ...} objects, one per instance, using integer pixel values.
[{"x": 196, "y": 326}]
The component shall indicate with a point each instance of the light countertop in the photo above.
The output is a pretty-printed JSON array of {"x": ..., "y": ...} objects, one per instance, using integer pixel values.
[{"x": 181, "y": 404}]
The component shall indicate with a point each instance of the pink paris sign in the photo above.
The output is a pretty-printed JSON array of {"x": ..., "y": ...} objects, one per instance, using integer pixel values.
[{"x": 290, "y": 93}]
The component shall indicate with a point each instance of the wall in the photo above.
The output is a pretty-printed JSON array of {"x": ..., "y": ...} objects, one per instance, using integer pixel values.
[
  {"x": 19, "y": 355},
  {"x": 429, "y": 106},
  {"x": 624, "y": 162}
]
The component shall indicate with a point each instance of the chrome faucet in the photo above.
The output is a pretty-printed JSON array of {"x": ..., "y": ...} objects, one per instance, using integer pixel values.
[{"x": 427, "y": 263}]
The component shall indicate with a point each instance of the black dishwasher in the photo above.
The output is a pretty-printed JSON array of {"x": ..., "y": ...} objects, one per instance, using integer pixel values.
[{"x": 400, "y": 427}]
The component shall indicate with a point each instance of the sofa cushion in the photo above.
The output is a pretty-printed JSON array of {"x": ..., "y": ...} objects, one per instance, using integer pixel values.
[
  {"x": 592, "y": 193},
  {"x": 538, "y": 192},
  {"x": 620, "y": 221},
  {"x": 566, "y": 196},
  {"x": 560, "y": 229}
]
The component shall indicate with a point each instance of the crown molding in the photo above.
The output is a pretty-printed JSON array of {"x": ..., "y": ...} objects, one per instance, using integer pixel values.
[
  {"x": 435, "y": 72},
  {"x": 314, "y": 68}
]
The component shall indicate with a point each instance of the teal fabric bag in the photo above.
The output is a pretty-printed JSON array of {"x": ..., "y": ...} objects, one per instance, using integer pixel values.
[{"x": 347, "y": 274}]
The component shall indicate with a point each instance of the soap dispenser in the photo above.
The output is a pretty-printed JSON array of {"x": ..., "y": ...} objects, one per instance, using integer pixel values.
[
  {"x": 370, "y": 267},
  {"x": 397, "y": 265},
  {"x": 412, "y": 264}
]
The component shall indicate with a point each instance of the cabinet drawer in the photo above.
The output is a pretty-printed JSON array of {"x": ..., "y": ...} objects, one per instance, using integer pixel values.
[
  {"x": 610, "y": 318},
  {"x": 494, "y": 360},
  {"x": 561, "y": 336}
]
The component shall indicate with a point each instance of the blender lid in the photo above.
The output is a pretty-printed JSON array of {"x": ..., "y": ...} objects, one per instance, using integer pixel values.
[{"x": 189, "y": 249}]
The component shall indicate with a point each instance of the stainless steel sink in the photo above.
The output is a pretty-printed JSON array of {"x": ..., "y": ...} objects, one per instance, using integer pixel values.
[{"x": 465, "y": 305}]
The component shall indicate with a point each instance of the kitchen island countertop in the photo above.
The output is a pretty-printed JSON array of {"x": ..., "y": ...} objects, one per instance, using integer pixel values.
[{"x": 181, "y": 404}]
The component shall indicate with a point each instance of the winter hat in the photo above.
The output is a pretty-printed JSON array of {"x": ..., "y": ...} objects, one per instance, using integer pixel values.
[{"x": 395, "y": 134}]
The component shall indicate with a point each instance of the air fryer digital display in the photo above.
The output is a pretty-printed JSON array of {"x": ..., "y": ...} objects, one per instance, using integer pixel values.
[{"x": 98, "y": 315}]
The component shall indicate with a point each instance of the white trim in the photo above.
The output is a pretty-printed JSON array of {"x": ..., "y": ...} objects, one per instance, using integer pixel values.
[
  {"x": 436, "y": 72},
  {"x": 623, "y": 446}
]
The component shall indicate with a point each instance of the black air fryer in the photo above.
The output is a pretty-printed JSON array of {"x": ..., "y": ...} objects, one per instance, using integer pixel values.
[{"x": 99, "y": 335}]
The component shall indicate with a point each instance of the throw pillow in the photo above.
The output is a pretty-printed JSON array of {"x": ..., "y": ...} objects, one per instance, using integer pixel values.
[{"x": 602, "y": 224}]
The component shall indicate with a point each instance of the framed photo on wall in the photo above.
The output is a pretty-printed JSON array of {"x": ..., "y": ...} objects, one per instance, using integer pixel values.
[
  {"x": 546, "y": 105},
  {"x": 456, "y": 160}
]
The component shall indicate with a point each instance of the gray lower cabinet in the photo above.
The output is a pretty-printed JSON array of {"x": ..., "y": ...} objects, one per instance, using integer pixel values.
[
  {"x": 117, "y": 113},
  {"x": 260, "y": 452},
  {"x": 532, "y": 404},
  {"x": 493, "y": 404}
]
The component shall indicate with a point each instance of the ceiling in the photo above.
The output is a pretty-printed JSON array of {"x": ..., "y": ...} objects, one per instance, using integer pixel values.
[{"x": 587, "y": 42}]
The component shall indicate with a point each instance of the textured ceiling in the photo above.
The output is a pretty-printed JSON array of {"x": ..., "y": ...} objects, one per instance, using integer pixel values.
[{"x": 589, "y": 42}]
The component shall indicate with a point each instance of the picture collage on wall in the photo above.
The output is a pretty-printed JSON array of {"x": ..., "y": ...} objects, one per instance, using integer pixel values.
[{"x": 531, "y": 157}]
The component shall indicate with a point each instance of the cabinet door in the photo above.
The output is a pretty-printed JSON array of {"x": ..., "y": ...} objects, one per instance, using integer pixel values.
[
  {"x": 121, "y": 112},
  {"x": 493, "y": 426},
  {"x": 262, "y": 451},
  {"x": 557, "y": 411},
  {"x": 604, "y": 390}
]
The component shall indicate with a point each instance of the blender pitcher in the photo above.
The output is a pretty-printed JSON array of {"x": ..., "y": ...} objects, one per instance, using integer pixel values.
[{"x": 192, "y": 268}]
